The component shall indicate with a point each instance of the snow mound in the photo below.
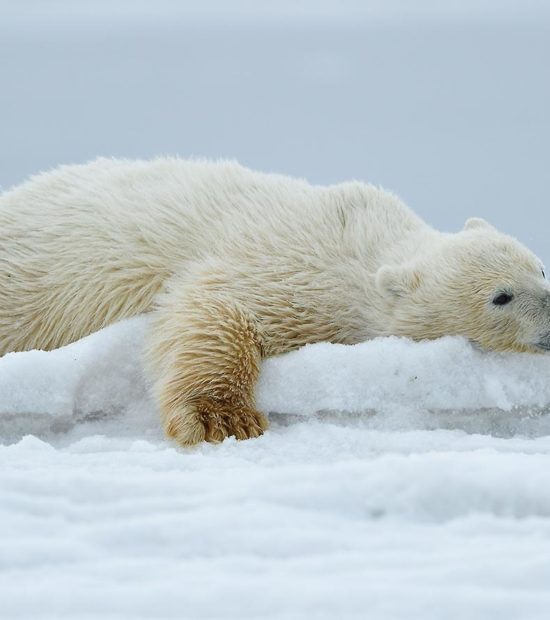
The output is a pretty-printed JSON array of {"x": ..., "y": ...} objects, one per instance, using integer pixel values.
[
  {"x": 385, "y": 383},
  {"x": 96, "y": 378},
  {"x": 361, "y": 500}
]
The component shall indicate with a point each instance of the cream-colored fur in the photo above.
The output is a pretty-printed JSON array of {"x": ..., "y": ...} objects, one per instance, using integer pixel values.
[{"x": 237, "y": 265}]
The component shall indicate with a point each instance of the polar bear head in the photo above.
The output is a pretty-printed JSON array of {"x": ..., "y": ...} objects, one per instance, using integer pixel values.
[{"x": 479, "y": 283}]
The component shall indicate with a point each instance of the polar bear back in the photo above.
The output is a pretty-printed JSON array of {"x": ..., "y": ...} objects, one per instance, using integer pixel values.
[{"x": 83, "y": 246}]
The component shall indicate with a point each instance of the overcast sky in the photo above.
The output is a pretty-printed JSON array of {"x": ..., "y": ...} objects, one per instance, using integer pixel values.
[
  {"x": 446, "y": 103},
  {"x": 282, "y": 10}
]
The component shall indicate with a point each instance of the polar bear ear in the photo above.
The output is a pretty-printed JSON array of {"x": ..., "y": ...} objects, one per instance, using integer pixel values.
[
  {"x": 474, "y": 223},
  {"x": 397, "y": 281}
]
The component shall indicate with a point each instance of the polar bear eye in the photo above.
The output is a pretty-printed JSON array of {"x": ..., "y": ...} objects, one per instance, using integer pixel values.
[
  {"x": 502, "y": 299},
  {"x": 543, "y": 274}
]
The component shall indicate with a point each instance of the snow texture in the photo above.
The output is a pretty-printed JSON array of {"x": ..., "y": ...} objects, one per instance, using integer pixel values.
[{"x": 398, "y": 480}]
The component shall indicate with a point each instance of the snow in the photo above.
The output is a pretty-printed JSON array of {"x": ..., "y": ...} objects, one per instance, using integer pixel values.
[{"x": 397, "y": 480}]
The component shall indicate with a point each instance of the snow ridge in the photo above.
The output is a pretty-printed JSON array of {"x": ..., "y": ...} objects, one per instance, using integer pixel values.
[{"x": 406, "y": 480}]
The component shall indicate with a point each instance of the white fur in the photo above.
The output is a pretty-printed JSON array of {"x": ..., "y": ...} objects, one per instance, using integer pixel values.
[{"x": 84, "y": 246}]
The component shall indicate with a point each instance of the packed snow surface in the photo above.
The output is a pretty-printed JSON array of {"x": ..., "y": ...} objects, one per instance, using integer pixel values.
[{"x": 397, "y": 480}]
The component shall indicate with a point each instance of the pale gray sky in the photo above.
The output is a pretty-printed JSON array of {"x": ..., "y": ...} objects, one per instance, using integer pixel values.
[{"x": 446, "y": 103}]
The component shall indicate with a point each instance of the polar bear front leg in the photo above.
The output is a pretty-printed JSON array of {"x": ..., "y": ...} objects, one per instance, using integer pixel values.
[{"x": 206, "y": 351}]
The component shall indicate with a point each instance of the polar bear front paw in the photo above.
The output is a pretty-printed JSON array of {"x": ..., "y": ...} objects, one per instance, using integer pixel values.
[{"x": 213, "y": 421}]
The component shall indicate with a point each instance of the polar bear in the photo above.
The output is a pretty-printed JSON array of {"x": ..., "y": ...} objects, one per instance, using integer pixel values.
[{"x": 237, "y": 265}]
